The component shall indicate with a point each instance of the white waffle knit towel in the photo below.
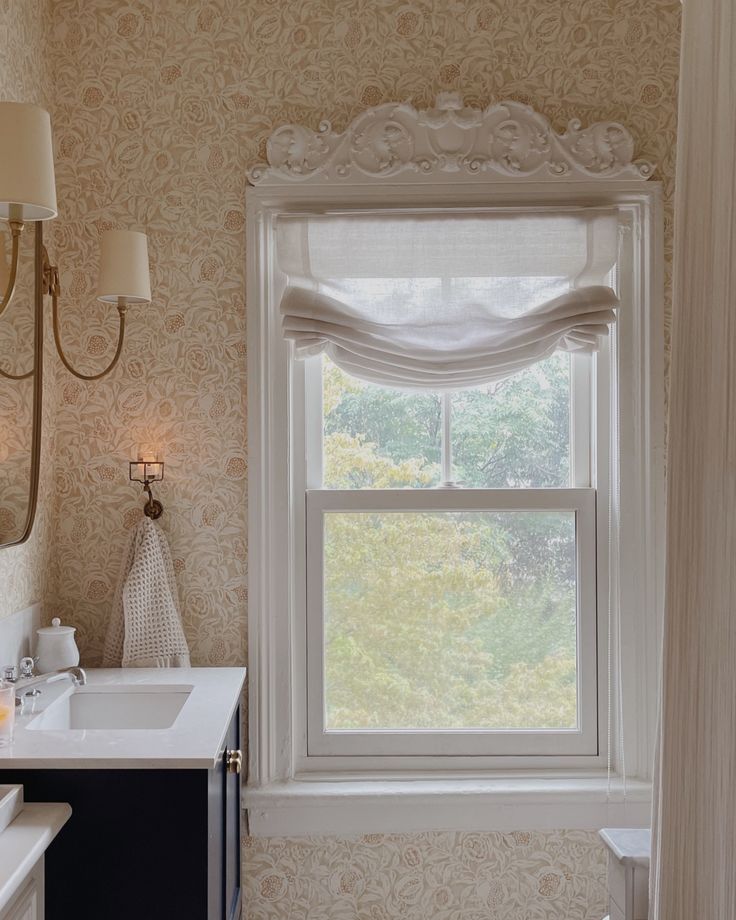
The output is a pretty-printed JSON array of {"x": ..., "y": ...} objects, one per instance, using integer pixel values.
[{"x": 145, "y": 628}]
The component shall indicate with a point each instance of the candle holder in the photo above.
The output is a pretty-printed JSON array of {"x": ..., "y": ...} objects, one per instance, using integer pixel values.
[{"x": 146, "y": 472}]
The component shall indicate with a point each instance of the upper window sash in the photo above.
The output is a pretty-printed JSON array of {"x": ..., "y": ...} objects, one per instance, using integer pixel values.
[{"x": 582, "y": 428}]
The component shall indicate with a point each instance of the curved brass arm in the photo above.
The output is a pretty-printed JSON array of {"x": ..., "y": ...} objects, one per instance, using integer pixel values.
[
  {"x": 153, "y": 507},
  {"x": 8, "y": 376},
  {"x": 122, "y": 309},
  {"x": 16, "y": 228}
]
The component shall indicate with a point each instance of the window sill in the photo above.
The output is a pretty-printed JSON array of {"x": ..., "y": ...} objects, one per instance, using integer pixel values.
[{"x": 349, "y": 807}]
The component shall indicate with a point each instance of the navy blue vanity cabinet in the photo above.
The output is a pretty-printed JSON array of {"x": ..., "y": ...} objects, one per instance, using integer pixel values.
[{"x": 143, "y": 844}]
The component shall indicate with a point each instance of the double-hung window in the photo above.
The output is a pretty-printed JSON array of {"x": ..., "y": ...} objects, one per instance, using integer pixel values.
[
  {"x": 456, "y": 441},
  {"x": 453, "y": 459}
]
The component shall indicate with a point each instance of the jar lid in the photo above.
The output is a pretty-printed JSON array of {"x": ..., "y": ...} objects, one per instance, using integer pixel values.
[{"x": 56, "y": 629}]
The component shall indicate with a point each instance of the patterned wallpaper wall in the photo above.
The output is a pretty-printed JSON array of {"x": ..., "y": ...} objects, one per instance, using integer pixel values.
[
  {"x": 160, "y": 105},
  {"x": 25, "y": 77},
  {"x": 556, "y": 875}
]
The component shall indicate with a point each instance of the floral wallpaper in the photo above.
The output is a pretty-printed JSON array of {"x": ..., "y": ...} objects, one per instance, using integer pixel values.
[
  {"x": 159, "y": 108},
  {"x": 555, "y": 875},
  {"x": 24, "y": 570}
]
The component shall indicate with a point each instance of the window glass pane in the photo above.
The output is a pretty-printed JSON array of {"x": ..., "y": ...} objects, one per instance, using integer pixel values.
[
  {"x": 377, "y": 437},
  {"x": 516, "y": 433},
  {"x": 450, "y": 620},
  {"x": 512, "y": 434}
]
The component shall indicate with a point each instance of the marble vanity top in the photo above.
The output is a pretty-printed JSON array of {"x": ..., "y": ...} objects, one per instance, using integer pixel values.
[
  {"x": 630, "y": 845},
  {"x": 194, "y": 740},
  {"x": 24, "y": 841}
]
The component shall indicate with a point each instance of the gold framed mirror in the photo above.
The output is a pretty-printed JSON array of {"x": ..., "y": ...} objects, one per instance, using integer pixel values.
[{"x": 21, "y": 389}]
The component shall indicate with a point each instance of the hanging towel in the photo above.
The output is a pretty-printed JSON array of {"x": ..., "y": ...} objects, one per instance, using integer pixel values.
[{"x": 145, "y": 628}]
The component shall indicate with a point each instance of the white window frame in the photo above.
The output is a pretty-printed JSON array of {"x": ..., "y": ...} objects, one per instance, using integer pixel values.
[
  {"x": 585, "y": 748},
  {"x": 288, "y": 786}
]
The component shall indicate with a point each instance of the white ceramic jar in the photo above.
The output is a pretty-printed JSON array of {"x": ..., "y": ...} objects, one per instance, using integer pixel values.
[{"x": 56, "y": 647}]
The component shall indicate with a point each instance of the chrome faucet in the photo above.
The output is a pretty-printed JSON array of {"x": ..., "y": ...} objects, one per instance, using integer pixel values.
[
  {"x": 78, "y": 675},
  {"x": 29, "y": 686}
]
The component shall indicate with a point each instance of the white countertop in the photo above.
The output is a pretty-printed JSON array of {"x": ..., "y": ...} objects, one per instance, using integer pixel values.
[
  {"x": 195, "y": 740},
  {"x": 24, "y": 841},
  {"x": 630, "y": 845}
]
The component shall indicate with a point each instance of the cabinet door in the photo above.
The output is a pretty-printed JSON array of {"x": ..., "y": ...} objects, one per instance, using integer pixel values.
[
  {"x": 216, "y": 905},
  {"x": 28, "y": 905},
  {"x": 232, "y": 827},
  {"x": 26, "y": 908}
]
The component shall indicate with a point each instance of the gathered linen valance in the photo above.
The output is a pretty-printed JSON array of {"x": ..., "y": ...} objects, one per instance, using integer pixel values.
[{"x": 445, "y": 300}]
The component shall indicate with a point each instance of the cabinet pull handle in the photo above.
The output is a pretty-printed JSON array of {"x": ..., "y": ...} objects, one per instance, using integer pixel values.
[{"x": 233, "y": 761}]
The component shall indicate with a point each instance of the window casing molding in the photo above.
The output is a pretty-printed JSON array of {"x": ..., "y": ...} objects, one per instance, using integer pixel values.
[{"x": 277, "y": 714}]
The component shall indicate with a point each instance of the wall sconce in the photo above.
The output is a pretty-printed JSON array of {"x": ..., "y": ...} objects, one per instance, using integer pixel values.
[
  {"x": 28, "y": 193},
  {"x": 123, "y": 279},
  {"x": 148, "y": 471}
]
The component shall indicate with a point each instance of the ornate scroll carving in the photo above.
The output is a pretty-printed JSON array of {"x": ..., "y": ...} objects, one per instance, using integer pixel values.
[{"x": 507, "y": 139}]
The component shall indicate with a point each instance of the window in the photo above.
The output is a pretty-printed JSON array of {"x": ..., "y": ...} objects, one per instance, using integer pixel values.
[
  {"x": 451, "y": 543},
  {"x": 457, "y": 584},
  {"x": 451, "y": 566}
]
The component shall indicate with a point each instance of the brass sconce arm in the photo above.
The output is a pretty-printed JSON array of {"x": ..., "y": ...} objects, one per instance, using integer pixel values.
[
  {"x": 16, "y": 228},
  {"x": 124, "y": 268},
  {"x": 153, "y": 507},
  {"x": 54, "y": 290},
  {"x": 49, "y": 281},
  {"x": 8, "y": 376}
]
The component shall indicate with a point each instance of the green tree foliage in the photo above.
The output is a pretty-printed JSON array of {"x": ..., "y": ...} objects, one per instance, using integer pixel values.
[
  {"x": 512, "y": 434},
  {"x": 516, "y": 433},
  {"x": 451, "y": 620}
]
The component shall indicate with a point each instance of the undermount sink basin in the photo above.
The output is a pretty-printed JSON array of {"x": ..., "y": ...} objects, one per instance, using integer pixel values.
[{"x": 114, "y": 707}]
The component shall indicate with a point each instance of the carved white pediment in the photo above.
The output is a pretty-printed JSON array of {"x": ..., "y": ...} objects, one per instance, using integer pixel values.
[{"x": 507, "y": 139}]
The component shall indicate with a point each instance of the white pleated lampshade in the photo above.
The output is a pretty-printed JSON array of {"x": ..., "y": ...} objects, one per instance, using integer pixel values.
[
  {"x": 27, "y": 184},
  {"x": 124, "y": 267}
]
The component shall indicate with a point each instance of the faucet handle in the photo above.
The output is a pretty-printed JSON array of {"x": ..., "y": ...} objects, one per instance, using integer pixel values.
[{"x": 27, "y": 666}]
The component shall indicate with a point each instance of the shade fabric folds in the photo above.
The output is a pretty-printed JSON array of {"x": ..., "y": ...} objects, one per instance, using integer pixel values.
[{"x": 446, "y": 300}]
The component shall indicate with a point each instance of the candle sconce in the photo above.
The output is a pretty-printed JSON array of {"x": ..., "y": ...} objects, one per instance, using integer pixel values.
[{"x": 146, "y": 472}]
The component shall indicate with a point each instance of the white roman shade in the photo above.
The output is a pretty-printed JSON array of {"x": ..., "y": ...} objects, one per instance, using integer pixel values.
[{"x": 443, "y": 300}]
